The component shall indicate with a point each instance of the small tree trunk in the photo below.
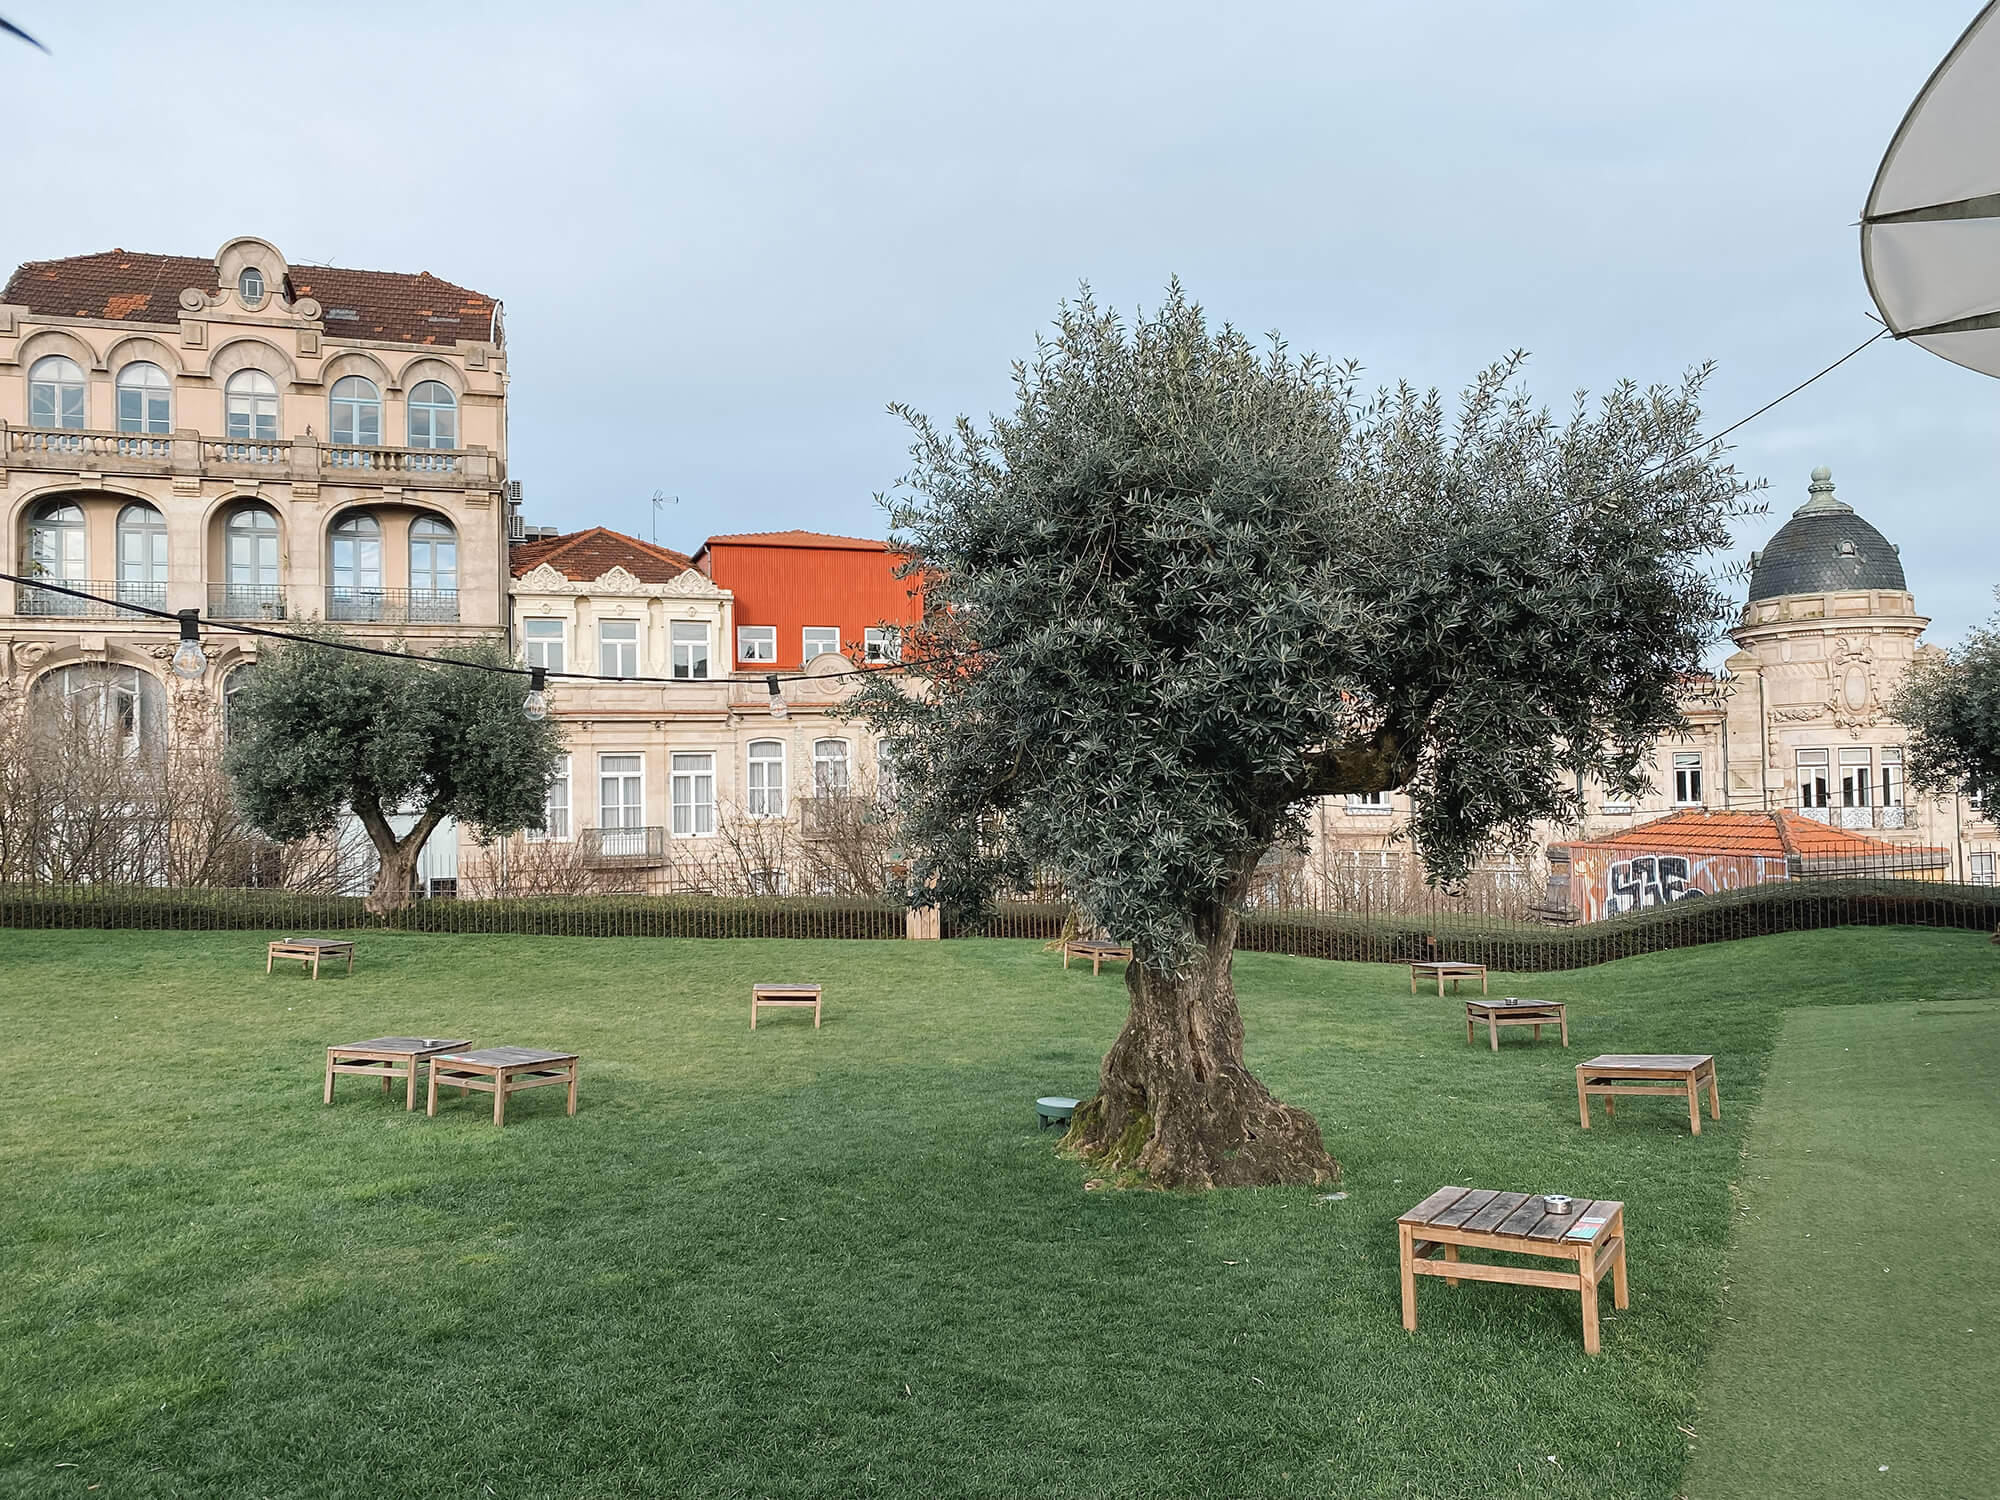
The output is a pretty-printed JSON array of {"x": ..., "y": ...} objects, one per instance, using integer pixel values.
[
  {"x": 396, "y": 878},
  {"x": 1174, "y": 1099}
]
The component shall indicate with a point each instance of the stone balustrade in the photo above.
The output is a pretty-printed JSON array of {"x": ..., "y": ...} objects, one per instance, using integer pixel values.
[{"x": 186, "y": 454}]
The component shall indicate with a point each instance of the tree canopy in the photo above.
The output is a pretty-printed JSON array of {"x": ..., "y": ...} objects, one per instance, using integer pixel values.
[
  {"x": 1189, "y": 585},
  {"x": 318, "y": 730},
  {"x": 1950, "y": 701}
]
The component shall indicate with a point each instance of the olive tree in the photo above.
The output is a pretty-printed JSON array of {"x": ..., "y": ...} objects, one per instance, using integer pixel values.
[
  {"x": 319, "y": 731},
  {"x": 1189, "y": 585},
  {"x": 1950, "y": 701}
]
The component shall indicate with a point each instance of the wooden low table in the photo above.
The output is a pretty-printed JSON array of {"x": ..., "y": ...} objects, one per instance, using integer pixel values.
[
  {"x": 1512, "y": 1012},
  {"x": 1589, "y": 1233},
  {"x": 783, "y": 995},
  {"x": 309, "y": 951},
  {"x": 1648, "y": 1073},
  {"x": 501, "y": 1071},
  {"x": 1098, "y": 953},
  {"x": 1441, "y": 972},
  {"x": 387, "y": 1057}
]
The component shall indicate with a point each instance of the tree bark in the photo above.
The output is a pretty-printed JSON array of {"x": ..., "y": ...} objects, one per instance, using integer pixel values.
[
  {"x": 1175, "y": 1102},
  {"x": 395, "y": 878}
]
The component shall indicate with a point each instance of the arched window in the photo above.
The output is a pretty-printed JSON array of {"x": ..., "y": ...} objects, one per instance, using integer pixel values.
[
  {"x": 232, "y": 689},
  {"x": 250, "y": 284},
  {"x": 830, "y": 768},
  {"x": 96, "y": 698},
  {"x": 142, "y": 557},
  {"x": 355, "y": 585},
  {"x": 357, "y": 412},
  {"x": 250, "y": 566},
  {"x": 143, "y": 399},
  {"x": 433, "y": 416},
  {"x": 433, "y": 565},
  {"x": 766, "y": 787},
  {"x": 55, "y": 542},
  {"x": 55, "y": 392},
  {"x": 252, "y": 401}
]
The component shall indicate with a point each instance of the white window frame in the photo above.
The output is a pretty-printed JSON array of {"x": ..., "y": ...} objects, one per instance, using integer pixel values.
[
  {"x": 1687, "y": 778},
  {"x": 428, "y": 421},
  {"x": 1857, "y": 777},
  {"x": 250, "y": 407},
  {"x": 626, "y": 776},
  {"x": 1369, "y": 804},
  {"x": 885, "y": 771},
  {"x": 557, "y": 811},
  {"x": 691, "y": 791},
  {"x": 757, "y": 643},
  {"x": 764, "y": 780},
  {"x": 535, "y": 647},
  {"x": 822, "y": 763},
  {"x": 58, "y": 384},
  {"x": 359, "y": 409},
  {"x": 687, "y": 644},
  {"x": 1980, "y": 865},
  {"x": 611, "y": 652},
  {"x": 807, "y": 650},
  {"x": 1815, "y": 778},
  {"x": 882, "y": 643},
  {"x": 152, "y": 398},
  {"x": 1892, "y": 785}
]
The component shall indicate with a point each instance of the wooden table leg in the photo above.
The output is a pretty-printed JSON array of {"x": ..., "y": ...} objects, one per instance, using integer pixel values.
[
  {"x": 753, "y": 1012},
  {"x": 1468, "y": 1028},
  {"x": 269, "y": 959},
  {"x": 1586, "y": 1271},
  {"x": 1694, "y": 1104},
  {"x": 410, "y": 1087},
  {"x": 1493, "y": 1030},
  {"x": 1482, "y": 982},
  {"x": 432, "y": 1107},
  {"x": 1621, "y": 1291},
  {"x": 1413, "y": 983},
  {"x": 1714, "y": 1098},
  {"x": 1403, "y": 1238},
  {"x": 815, "y": 1015},
  {"x": 1563, "y": 1016},
  {"x": 500, "y": 1097},
  {"x": 315, "y": 966},
  {"x": 388, "y": 1071},
  {"x": 572, "y": 1087},
  {"x": 350, "y": 959},
  {"x": 329, "y": 1077},
  {"x": 1451, "y": 1254},
  {"x": 1538, "y": 1031}
]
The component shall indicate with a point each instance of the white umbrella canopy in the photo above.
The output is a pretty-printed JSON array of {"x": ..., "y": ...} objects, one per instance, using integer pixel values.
[{"x": 1930, "y": 235}]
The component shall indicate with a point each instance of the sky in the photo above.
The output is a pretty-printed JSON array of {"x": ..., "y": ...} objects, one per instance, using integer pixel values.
[{"x": 728, "y": 236}]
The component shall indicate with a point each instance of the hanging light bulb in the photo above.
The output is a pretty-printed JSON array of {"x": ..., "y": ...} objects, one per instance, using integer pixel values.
[
  {"x": 190, "y": 661},
  {"x": 536, "y": 704},
  {"x": 778, "y": 708}
]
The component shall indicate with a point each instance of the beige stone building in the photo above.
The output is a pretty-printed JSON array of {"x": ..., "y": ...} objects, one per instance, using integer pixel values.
[{"x": 1796, "y": 721}]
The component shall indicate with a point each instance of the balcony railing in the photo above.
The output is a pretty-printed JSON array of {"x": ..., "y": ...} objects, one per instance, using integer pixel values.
[
  {"x": 393, "y": 606},
  {"x": 30, "y": 600},
  {"x": 1859, "y": 817},
  {"x": 623, "y": 845},
  {"x": 246, "y": 601},
  {"x": 190, "y": 455}
]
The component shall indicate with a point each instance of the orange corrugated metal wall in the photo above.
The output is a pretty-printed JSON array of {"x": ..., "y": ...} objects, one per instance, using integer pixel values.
[{"x": 792, "y": 587}]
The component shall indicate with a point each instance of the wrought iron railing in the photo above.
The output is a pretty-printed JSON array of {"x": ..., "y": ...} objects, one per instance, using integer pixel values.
[
  {"x": 393, "y": 606},
  {"x": 618, "y": 845},
  {"x": 30, "y": 600},
  {"x": 246, "y": 601}
]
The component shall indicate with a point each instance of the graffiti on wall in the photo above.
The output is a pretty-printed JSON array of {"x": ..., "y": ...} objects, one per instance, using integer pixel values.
[
  {"x": 1648, "y": 880},
  {"x": 1610, "y": 888}
]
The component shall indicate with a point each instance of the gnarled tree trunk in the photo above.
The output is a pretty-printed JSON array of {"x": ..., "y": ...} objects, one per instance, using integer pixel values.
[
  {"x": 1174, "y": 1099},
  {"x": 396, "y": 879}
]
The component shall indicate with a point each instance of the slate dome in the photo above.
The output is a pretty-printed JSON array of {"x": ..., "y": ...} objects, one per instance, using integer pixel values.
[{"x": 1824, "y": 547}]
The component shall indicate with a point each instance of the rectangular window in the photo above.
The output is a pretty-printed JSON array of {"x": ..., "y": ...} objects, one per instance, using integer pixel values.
[
  {"x": 690, "y": 643},
  {"x": 757, "y": 643},
  {"x": 821, "y": 640},
  {"x": 693, "y": 795},
  {"x": 555, "y": 807},
  {"x": 1892, "y": 776},
  {"x": 765, "y": 790},
  {"x": 618, "y": 648},
  {"x": 1369, "y": 802},
  {"x": 830, "y": 768},
  {"x": 885, "y": 771},
  {"x": 1687, "y": 779},
  {"x": 882, "y": 644},
  {"x": 1812, "y": 778},
  {"x": 542, "y": 640},
  {"x": 621, "y": 791},
  {"x": 1982, "y": 867},
  {"x": 1856, "y": 777}
]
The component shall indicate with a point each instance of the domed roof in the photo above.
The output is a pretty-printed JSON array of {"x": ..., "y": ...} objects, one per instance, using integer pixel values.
[{"x": 1824, "y": 547}]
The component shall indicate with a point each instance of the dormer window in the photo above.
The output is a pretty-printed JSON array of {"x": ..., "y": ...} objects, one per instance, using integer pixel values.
[{"x": 250, "y": 284}]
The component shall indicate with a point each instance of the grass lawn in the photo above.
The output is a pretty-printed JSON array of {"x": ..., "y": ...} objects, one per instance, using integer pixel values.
[
  {"x": 840, "y": 1263},
  {"x": 1860, "y": 1348}
]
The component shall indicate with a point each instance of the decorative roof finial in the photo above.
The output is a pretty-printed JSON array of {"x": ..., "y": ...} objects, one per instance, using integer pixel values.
[{"x": 1819, "y": 494}]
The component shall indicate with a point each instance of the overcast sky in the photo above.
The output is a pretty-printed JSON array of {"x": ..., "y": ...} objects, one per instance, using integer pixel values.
[{"x": 728, "y": 235}]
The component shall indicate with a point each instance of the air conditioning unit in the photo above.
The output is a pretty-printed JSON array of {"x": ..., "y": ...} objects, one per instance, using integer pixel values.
[{"x": 517, "y": 529}]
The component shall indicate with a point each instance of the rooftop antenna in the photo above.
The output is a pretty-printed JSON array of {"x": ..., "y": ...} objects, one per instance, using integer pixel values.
[
  {"x": 661, "y": 498},
  {"x": 1932, "y": 224}
]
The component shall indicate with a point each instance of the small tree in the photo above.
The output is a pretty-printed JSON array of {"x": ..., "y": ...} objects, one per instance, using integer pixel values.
[
  {"x": 319, "y": 730},
  {"x": 1186, "y": 588},
  {"x": 1950, "y": 700}
]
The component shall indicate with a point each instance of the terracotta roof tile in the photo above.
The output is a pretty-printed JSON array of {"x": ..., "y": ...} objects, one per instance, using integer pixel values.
[
  {"x": 581, "y": 556},
  {"x": 1696, "y": 831},
  {"x": 132, "y": 287}
]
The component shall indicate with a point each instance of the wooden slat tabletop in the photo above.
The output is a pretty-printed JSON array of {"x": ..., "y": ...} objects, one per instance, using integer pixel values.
[
  {"x": 1464, "y": 1208},
  {"x": 785, "y": 989},
  {"x": 404, "y": 1044},
  {"x": 1664, "y": 1062},
  {"x": 1428, "y": 964},
  {"x": 507, "y": 1057},
  {"x": 1442, "y": 1199},
  {"x": 1498, "y": 1211},
  {"x": 316, "y": 943},
  {"x": 1510, "y": 1003},
  {"x": 1517, "y": 1215}
]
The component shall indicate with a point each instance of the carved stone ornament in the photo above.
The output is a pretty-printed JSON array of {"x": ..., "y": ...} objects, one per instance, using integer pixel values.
[
  {"x": 30, "y": 652},
  {"x": 1798, "y": 715},
  {"x": 693, "y": 584},
  {"x": 615, "y": 580},
  {"x": 544, "y": 578},
  {"x": 1851, "y": 696}
]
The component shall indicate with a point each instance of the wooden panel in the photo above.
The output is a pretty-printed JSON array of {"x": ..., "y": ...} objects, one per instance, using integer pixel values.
[
  {"x": 1497, "y": 1212},
  {"x": 1443, "y": 1198},
  {"x": 1472, "y": 1270},
  {"x": 1555, "y": 1226},
  {"x": 1464, "y": 1208},
  {"x": 1664, "y": 1062},
  {"x": 1524, "y": 1218}
]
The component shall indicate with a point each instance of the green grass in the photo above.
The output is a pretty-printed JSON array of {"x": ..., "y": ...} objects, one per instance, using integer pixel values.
[
  {"x": 1859, "y": 1352},
  {"x": 832, "y": 1264}
]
